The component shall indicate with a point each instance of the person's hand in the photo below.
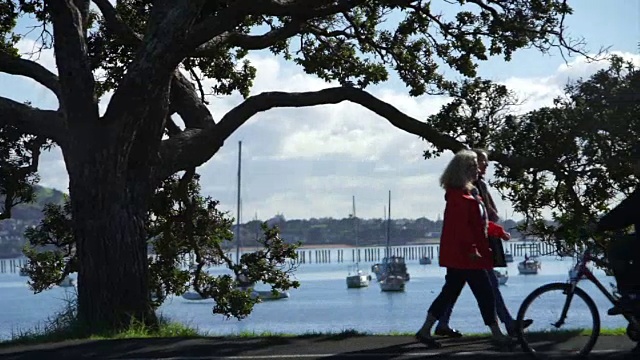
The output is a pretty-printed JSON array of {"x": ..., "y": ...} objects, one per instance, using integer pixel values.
[
  {"x": 506, "y": 236},
  {"x": 475, "y": 254}
]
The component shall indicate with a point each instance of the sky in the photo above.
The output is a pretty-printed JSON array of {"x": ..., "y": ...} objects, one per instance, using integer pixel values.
[{"x": 309, "y": 162}]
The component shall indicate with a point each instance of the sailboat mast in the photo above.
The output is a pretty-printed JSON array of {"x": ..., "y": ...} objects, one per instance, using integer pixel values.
[
  {"x": 238, "y": 204},
  {"x": 389, "y": 226},
  {"x": 355, "y": 220},
  {"x": 384, "y": 221}
]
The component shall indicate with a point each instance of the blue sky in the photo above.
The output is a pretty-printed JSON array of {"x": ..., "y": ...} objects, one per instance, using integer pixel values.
[{"x": 309, "y": 162}]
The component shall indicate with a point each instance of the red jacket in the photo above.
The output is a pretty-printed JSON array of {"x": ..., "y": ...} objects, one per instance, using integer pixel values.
[{"x": 463, "y": 231}]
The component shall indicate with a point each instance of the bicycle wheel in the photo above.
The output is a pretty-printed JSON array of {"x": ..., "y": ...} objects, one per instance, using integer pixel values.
[{"x": 575, "y": 335}]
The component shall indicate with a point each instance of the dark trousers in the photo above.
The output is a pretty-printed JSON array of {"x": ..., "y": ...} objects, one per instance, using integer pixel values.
[
  {"x": 480, "y": 285},
  {"x": 624, "y": 257},
  {"x": 501, "y": 309}
]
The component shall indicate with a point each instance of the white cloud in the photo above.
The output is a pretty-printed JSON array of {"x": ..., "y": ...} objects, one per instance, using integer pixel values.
[{"x": 308, "y": 162}]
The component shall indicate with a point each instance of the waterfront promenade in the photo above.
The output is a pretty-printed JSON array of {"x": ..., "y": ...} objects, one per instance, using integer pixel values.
[{"x": 308, "y": 348}]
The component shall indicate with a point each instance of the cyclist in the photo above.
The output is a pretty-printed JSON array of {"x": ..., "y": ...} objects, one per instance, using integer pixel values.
[{"x": 624, "y": 252}]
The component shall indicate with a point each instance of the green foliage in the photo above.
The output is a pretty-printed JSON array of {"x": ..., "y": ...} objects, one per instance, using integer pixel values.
[
  {"x": 50, "y": 248},
  {"x": 478, "y": 114},
  {"x": 354, "y": 47},
  {"x": 581, "y": 146},
  {"x": 223, "y": 64},
  {"x": 18, "y": 167},
  {"x": 181, "y": 224},
  {"x": 8, "y": 20},
  {"x": 576, "y": 151}
]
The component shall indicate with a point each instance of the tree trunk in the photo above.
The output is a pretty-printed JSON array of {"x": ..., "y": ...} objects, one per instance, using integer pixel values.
[{"x": 109, "y": 210}]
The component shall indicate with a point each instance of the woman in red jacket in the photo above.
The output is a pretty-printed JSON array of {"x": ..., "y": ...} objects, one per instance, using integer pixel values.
[{"x": 464, "y": 247}]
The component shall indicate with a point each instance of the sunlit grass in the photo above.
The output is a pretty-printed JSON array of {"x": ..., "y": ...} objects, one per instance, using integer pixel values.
[{"x": 64, "y": 326}]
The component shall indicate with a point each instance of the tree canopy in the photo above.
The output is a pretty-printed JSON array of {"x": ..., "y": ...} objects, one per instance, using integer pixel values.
[{"x": 152, "y": 57}]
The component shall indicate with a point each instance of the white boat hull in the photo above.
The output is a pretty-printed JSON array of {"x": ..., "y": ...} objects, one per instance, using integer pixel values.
[
  {"x": 508, "y": 258},
  {"x": 268, "y": 295},
  {"x": 524, "y": 271},
  {"x": 262, "y": 294},
  {"x": 502, "y": 278},
  {"x": 67, "y": 282},
  {"x": 192, "y": 295},
  {"x": 528, "y": 268},
  {"x": 357, "y": 281},
  {"x": 392, "y": 283}
]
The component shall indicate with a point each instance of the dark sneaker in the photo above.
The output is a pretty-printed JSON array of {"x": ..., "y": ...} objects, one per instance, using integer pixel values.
[
  {"x": 525, "y": 324},
  {"x": 428, "y": 341},
  {"x": 448, "y": 332},
  {"x": 502, "y": 342},
  {"x": 624, "y": 306},
  {"x": 616, "y": 310}
]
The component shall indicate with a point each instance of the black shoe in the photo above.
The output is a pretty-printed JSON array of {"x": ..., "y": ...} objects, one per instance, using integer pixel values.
[
  {"x": 428, "y": 341},
  {"x": 625, "y": 305},
  {"x": 525, "y": 324},
  {"x": 448, "y": 332},
  {"x": 502, "y": 342},
  {"x": 623, "y": 308},
  {"x": 616, "y": 310}
]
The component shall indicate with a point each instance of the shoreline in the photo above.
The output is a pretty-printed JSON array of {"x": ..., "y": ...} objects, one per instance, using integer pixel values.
[{"x": 428, "y": 242}]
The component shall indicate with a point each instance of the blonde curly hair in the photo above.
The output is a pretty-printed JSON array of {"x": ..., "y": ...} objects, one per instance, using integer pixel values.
[{"x": 459, "y": 173}]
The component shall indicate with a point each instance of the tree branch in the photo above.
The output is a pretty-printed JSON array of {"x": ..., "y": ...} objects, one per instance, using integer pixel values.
[
  {"x": 83, "y": 7},
  {"x": 171, "y": 127},
  {"x": 44, "y": 123},
  {"x": 115, "y": 23},
  {"x": 183, "y": 96},
  {"x": 306, "y": 8},
  {"x": 195, "y": 147},
  {"x": 14, "y": 65},
  {"x": 186, "y": 102},
  {"x": 148, "y": 77},
  {"x": 217, "y": 29},
  {"x": 250, "y": 42},
  {"x": 76, "y": 77}
]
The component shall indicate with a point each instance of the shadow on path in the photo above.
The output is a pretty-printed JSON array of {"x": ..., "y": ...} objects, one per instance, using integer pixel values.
[{"x": 344, "y": 346}]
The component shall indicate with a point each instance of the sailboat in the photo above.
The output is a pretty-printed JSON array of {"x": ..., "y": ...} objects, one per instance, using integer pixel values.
[
  {"x": 529, "y": 266},
  {"x": 242, "y": 282},
  {"x": 393, "y": 268},
  {"x": 67, "y": 282},
  {"x": 502, "y": 276},
  {"x": 356, "y": 277}
]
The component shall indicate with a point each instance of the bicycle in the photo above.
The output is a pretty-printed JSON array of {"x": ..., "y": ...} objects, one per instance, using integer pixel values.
[{"x": 570, "y": 290}]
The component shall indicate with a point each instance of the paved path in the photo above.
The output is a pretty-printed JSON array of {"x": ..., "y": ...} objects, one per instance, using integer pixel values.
[{"x": 319, "y": 347}]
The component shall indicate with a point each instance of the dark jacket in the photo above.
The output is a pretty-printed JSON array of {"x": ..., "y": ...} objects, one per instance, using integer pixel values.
[
  {"x": 499, "y": 258},
  {"x": 487, "y": 199},
  {"x": 627, "y": 213}
]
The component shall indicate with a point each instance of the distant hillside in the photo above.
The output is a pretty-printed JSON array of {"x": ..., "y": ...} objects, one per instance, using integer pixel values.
[
  {"x": 22, "y": 217},
  {"x": 315, "y": 231},
  {"x": 33, "y": 211}
]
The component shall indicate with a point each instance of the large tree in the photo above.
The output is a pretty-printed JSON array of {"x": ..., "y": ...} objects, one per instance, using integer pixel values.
[{"x": 152, "y": 55}]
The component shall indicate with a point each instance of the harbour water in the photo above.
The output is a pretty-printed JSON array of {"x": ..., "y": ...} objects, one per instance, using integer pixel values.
[{"x": 321, "y": 304}]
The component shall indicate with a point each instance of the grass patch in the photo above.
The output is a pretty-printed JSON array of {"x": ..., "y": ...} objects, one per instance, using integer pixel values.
[
  {"x": 46, "y": 334},
  {"x": 64, "y": 326},
  {"x": 356, "y": 333}
]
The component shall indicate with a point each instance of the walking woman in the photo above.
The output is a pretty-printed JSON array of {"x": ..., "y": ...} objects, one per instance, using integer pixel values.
[
  {"x": 464, "y": 248},
  {"x": 442, "y": 327}
]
